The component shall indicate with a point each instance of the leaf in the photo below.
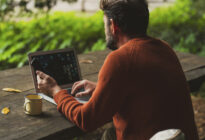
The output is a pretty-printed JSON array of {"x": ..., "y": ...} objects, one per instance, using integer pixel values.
[
  {"x": 11, "y": 90},
  {"x": 86, "y": 61},
  {"x": 5, "y": 110}
]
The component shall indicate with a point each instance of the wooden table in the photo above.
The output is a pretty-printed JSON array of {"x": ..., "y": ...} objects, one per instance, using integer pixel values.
[{"x": 51, "y": 124}]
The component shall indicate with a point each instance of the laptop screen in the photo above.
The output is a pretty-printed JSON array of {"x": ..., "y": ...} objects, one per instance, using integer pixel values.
[{"x": 62, "y": 66}]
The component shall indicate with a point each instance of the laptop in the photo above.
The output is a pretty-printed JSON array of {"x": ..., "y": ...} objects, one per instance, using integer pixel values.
[{"x": 62, "y": 65}]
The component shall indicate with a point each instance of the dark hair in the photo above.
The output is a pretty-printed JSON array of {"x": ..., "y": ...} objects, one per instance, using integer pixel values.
[{"x": 131, "y": 16}]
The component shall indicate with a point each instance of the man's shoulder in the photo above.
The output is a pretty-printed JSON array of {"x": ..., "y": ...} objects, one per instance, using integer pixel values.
[
  {"x": 149, "y": 44},
  {"x": 120, "y": 54},
  {"x": 136, "y": 46},
  {"x": 159, "y": 41}
]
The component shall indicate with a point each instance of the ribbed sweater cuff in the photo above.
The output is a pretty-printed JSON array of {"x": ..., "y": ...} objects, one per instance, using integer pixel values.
[{"x": 58, "y": 96}]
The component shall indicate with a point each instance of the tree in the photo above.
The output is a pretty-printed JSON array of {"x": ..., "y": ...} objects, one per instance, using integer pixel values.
[
  {"x": 83, "y": 5},
  {"x": 7, "y": 6}
]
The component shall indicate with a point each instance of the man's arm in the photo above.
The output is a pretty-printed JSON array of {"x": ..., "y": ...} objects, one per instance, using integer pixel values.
[{"x": 104, "y": 103}]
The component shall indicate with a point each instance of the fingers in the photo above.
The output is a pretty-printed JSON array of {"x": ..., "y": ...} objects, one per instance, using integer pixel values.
[
  {"x": 40, "y": 82},
  {"x": 38, "y": 79},
  {"x": 46, "y": 84},
  {"x": 41, "y": 74},
  {"x": 81, "y": 94},
  {"x": 75, "y": 84},
  {"x": 78, "y": 85}
]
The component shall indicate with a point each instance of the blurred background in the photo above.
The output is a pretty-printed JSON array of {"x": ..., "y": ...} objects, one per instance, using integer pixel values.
[
  {"x": 38, "y": 25},
  {"x": 33, "y": 25}
]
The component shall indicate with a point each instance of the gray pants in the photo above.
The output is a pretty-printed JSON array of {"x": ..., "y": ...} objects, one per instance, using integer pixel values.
[{"x": 110, "y": 134}]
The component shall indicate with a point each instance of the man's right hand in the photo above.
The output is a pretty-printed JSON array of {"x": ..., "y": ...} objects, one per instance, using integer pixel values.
[{"x": 87, "y": 85}]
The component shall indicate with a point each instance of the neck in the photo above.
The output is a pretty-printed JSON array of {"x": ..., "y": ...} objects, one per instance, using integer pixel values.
[{"x": 122, "y": 39}]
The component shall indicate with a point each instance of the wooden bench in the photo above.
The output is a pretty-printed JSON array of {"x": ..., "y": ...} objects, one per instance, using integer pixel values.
[{"x": 51, "y": 124}]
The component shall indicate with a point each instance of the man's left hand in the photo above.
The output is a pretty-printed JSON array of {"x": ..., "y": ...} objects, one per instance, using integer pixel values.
[{"x": 46, "y": 84}]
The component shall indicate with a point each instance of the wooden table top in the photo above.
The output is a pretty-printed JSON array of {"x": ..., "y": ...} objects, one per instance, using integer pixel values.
[{"x": 51, "y": 124}]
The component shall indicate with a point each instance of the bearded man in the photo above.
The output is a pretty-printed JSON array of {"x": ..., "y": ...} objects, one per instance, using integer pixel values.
[{"x": 141, "y": 85}]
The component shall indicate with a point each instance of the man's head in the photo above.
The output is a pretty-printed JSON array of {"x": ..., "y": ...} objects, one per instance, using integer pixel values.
[{"x": 124, "y": 17}]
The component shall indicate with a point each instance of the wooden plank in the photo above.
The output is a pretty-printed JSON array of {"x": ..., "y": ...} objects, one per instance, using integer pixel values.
[
  {"x": 21, "y": 78},
  {"x": 44, "y": 126},
  {"x": 51, "y": 123},
  {"x": 21, "y": 126},
  {"x": 97, "y": 57},
  {"x": 194, "y": 68},
  {"x": 190, "y": 62},
  {"x": 195, "y": 78}
]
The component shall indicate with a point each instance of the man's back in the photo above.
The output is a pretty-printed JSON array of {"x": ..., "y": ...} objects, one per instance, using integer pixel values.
[{"x": 156, "y": 96}]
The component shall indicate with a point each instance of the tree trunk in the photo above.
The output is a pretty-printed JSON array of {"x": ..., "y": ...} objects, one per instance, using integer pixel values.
[{"x": 83, "y": 6}]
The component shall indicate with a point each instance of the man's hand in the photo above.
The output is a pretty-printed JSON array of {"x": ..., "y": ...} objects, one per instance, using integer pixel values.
[
  {"x": 87, "y": 85},
  {"x": 47, "y": 84}
]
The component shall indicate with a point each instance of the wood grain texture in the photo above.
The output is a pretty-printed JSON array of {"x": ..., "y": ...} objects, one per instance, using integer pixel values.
[
  {"x": 19, "y": 125},
  {"x": 51, "y": 124}
]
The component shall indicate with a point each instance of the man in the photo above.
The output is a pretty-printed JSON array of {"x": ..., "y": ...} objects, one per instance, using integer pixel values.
[{"x": 141, "y": 84}]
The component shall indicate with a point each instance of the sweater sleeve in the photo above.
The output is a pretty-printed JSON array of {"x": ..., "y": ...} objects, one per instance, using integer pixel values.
[{"x": 105, "y": 101}]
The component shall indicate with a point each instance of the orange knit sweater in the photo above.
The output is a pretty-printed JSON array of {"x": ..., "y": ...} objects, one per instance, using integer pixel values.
[{"x": 142, "y": 87}]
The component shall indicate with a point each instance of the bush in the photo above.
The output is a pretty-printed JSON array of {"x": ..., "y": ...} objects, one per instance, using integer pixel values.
[
  {"x": 57, "y": 31},
  {"x": 181, "y": 25}
]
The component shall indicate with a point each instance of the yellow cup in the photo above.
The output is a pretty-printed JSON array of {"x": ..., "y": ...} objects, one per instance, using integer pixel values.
[{"x": 33, "y": 104}]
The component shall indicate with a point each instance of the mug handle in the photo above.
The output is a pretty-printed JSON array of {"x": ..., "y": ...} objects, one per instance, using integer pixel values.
[{"x": 25, "y": 104}]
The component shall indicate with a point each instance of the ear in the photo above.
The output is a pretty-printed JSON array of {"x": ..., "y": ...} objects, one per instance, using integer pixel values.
[{"x": 113, "y": 27}]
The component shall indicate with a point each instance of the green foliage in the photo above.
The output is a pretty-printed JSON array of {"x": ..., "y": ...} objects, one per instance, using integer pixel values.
[
  {"x": 181, "y": 25},
  {"x": 58, "y": 31}
]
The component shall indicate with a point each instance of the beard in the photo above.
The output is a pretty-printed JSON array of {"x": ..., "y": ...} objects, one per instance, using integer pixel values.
[{"x": 111, "y": 41}]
